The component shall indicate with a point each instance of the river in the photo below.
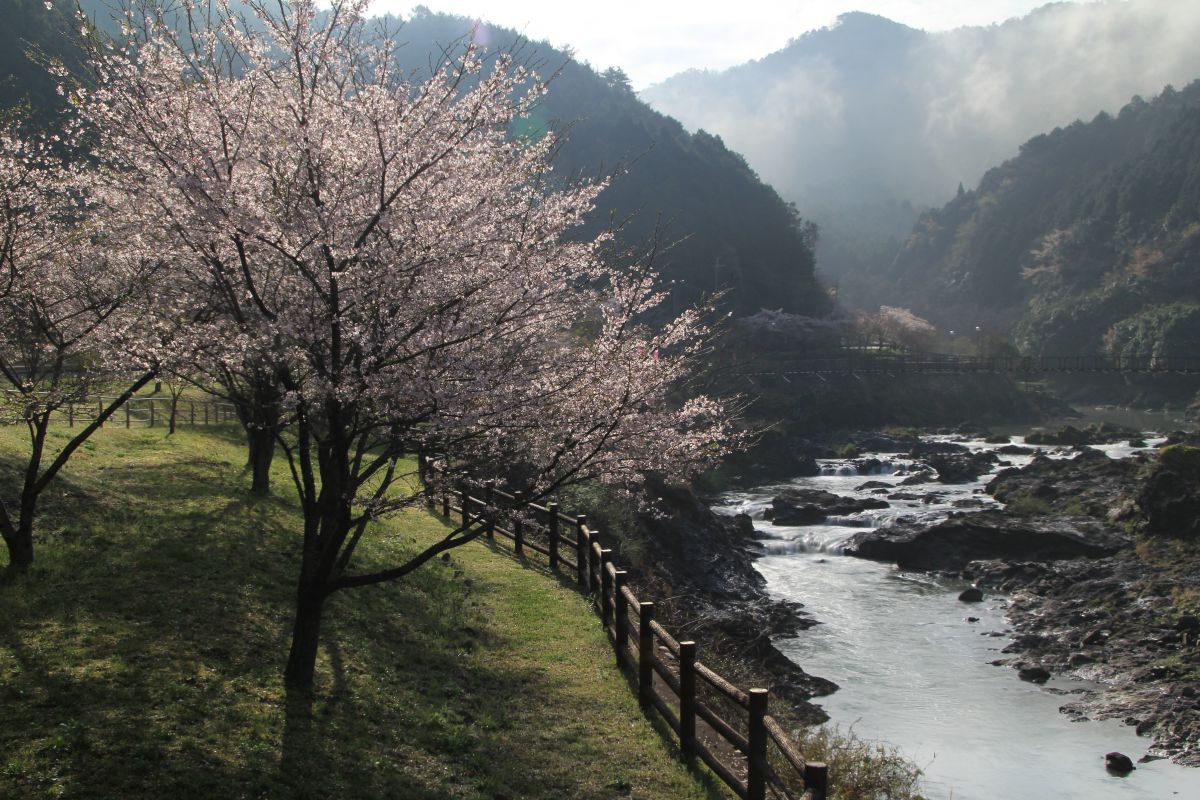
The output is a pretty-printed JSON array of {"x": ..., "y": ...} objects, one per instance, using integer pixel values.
[{"x": 916, "y": 674}]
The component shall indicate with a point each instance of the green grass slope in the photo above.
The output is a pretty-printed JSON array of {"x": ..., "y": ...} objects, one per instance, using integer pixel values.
[{"x": 143, "y": 655}]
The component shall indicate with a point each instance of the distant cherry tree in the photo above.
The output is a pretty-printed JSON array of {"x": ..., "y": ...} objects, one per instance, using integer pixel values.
[
  {"x": 900, "y": 326},
  {"x": 393, "y": 259}
]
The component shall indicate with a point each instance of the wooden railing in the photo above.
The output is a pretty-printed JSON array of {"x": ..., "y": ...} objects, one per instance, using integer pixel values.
[
  {"x": 728, "y": 729},
  {"x": 149, "y": 412}
]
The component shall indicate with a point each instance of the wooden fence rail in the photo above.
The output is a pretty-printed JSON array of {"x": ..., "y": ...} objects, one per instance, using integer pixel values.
[
  {"x": 147, "y": 412},
  {"x": 728, "y": 729}
]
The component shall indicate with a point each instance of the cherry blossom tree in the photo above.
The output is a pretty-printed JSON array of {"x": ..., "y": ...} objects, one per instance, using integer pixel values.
[
  {"x": 394, "y": 261},
  {"x": 64, "y": 303},
  {"x": 900, "y": 326}
]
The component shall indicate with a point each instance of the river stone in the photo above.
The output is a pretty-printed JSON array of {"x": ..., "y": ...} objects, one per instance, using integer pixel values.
[
  {"x": 964, "y": 537},
  {"x": 962, "y": 467},
  {"x": 1035, "y": 674},
  {"x": 1105, "y": 432},
  {"x": 813, "y": 506},
  {"x": 971, "y": 595},
  {"x": 929, "y": 448},
  {"x": 1118, "y": 763},
  {"x": 922, "y": 476}
]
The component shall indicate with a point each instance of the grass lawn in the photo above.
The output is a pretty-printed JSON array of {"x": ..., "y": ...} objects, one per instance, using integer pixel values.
[{"x": 143, "y": 655}]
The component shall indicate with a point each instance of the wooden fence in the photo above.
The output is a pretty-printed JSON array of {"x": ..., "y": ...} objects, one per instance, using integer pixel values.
[
  {"x": 729, "y": 729},
  {"x": 150, "y": 412}
]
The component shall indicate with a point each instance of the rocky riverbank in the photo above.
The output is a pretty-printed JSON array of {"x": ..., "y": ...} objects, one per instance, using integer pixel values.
[{"x": 1100, "y": 559}]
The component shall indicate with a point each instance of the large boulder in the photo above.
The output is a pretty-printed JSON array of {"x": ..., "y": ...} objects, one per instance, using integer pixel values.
[
  {"x": 951, "y": 544},
  {"x": 1090, "y": 484},
  {"x": 932, "y": 447},
  {"x": 962, "y": 467},
  {"x": 1169, "y": 499},
  {"x": 1069, "y": 435},
  {"x": 814, "y": 506}
]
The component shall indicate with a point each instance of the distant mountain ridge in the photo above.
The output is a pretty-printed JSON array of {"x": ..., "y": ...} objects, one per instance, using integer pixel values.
[
  {"x": 1087, "y": 242},
  {"x": 864, "y": 123}
]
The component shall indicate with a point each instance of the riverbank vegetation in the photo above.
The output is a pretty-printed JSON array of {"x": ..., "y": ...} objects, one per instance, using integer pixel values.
[{"x": 142, "y": 655}]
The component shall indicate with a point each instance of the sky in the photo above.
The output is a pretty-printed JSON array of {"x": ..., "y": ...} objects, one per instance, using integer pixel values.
[{"x": 654, "y": 39}]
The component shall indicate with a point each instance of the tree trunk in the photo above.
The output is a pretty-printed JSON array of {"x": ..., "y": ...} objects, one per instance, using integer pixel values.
[
  {"x": 261, "y": 443},
  {"x": 306, "y": 632},
  {"x": 18, "y": 533},
  {"x": 20, "y": 549}
]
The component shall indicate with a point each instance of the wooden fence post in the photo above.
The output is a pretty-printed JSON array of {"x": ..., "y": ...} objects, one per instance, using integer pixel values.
[
  {"x": 756, "y": 759},
  {"x": 606, "y": 612},
  {"x": 464, "y": 500},
  {"x": 151, "y": 404},
  {"x": 581, "y": 549},
  {"x": 205, "y": 404},
  {"x": 70, "y": 415},
  {"x": 687, "y": 698},
  {"x": 645, "y": 654},
  {"x": 620, "y": 612},
  {"x": 489, "y": 501},
  {"x": 445, "y": 502},
  {"x": 99, "y": 410},
  {"x": 593, "y": 578},
  {"x": 127, "y": 404},
  {"x": 552, "y": 508},
  {"x": 192, "y": 412},
  {"x": 816, "y": 780},
  {"x": 430, "y": 500},
  {"x": 518, "y": 524}
]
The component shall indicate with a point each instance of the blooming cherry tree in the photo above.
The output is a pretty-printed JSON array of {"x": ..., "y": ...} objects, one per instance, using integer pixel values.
[
  {"x": 64, "y": 302},
  {"x": 394, "y": 260}
]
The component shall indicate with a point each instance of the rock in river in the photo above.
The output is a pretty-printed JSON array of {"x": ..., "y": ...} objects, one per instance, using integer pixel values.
[
  {"x": 1118, "y": 763},
  {"x": 813, "y": 506},
  {"x": 962, "y": 538}
]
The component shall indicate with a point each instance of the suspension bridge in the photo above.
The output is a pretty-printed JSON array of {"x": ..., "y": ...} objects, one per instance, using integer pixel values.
[{"x": 854, "y": 362}]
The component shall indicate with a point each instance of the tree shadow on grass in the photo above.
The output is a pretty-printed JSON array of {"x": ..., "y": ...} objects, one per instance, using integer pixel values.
[{"x": 152, "y": 610}]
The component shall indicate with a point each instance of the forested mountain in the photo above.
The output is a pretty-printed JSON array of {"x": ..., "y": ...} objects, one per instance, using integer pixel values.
[
  {"x": 1088, "y": 241},
  {"x": 728, "y": 228},
  {"x": 866, "y": 122},
  {"x": 31, "y": 36}
]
